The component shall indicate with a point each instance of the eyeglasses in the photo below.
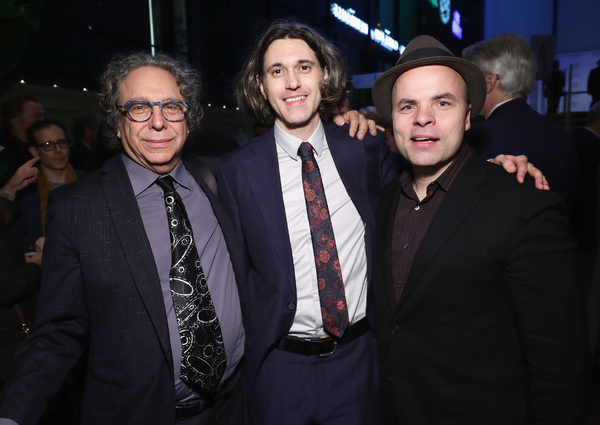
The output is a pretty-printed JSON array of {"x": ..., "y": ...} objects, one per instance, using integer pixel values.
[
  {"x": 50, "y": 146},
  {"x": 141, "y": 110}
]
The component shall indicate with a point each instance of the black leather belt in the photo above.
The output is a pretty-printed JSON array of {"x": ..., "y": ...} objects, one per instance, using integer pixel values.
[
  {"x": 185, "y": 409},
  {"x": 326, "y": 345}
]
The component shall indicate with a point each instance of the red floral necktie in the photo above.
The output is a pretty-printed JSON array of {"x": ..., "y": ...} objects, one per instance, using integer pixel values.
[{"x": 329, "y": 274}]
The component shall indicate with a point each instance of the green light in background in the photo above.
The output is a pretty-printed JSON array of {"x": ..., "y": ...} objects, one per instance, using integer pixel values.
[{"x": 434, "y": 3}]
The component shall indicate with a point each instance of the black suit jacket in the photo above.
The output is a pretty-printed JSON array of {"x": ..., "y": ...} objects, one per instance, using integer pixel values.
[
  {"x": 514, "y": 128},
  {"x": 19, "y": 284},
  {"x": 100, "y": 283},
  {"x": 490, "y": 327}
]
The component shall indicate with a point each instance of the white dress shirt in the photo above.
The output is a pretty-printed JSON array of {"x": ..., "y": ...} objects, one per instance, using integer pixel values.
[{"x": 348, "y": 229}]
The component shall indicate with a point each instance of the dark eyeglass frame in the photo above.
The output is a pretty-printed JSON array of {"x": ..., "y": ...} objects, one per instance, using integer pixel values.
[
  {"x": 127, "y": 105},
  {"x": 50, "y": 146}
]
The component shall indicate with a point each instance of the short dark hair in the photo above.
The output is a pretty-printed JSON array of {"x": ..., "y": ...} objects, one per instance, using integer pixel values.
[
  {"x": 187, "y": 79},
  {"x": 12, "y": 107},
  {"x": 40, "y": 125},
  {"x": 333, "y": 89}
]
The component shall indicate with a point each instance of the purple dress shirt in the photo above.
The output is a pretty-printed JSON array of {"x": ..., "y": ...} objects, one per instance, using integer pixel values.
[{"x": 213, "y": 253}]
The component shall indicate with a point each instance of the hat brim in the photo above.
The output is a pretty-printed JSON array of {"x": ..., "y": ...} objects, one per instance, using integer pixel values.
[{"x": 476, "y": 86}]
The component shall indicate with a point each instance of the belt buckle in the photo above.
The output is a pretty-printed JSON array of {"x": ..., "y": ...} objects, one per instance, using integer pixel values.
[{"x": 335, "y": 344}]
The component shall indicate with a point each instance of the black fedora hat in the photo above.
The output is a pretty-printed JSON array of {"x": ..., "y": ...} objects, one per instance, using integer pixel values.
[{"x": 426, "y": 50}]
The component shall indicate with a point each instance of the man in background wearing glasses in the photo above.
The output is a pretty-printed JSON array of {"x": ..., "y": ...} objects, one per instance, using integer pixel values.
[{"x": 46, "y": 140}]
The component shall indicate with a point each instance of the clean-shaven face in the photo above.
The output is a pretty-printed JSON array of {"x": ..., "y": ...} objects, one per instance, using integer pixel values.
[
  {"x": 291, "y": 84},
  {"x": 156, "y": 144},
  {"x": 58, "y": 158},
  {"x": 430, "y": 115}
]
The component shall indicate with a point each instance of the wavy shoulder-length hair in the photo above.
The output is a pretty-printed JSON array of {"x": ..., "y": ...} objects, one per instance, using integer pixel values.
[
  {"x": 249, "y": 97},
  {"x": 186, "y": 77}
]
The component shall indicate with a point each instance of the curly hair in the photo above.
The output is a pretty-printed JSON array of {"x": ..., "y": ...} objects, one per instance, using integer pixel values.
[
  {"x": 247, "y": 91},
  {"x": 510, "y": 57},
  {"x": 186, "y": 77}
]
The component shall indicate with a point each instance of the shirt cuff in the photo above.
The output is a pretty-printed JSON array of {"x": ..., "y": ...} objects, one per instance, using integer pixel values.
[{"x": 10, "y": 197}]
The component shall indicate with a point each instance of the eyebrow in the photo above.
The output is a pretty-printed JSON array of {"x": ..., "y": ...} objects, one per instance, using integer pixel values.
[
  {"x": 446, "y": 95},
  {"x": 299, "y": 62}
]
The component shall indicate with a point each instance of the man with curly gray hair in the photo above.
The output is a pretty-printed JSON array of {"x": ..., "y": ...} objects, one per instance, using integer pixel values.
[
  {"x": 163, "y": 326},
  {"x": 511, "y": 126}
]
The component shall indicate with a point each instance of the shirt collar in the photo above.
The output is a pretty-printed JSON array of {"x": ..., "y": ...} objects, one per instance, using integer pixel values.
[
  {"x": 445, "y": 179},
  {"x": 498, "y": 105},
  {"x": 142, "y": 178},
  {"x": 290, "y": 144}
]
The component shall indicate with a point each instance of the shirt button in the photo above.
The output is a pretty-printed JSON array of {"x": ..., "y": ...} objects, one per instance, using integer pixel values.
[
  {"x": 395, "y": 329},
  {"x": 291, "y": 306},
  {"x": 417, "y": 207},
  {"x": 405, "y": 246}
]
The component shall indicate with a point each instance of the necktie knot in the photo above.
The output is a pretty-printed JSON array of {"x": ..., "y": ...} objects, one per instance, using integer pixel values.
[
  {"x": 166, "y": 184},
  {"x": 305, "y": 150}
]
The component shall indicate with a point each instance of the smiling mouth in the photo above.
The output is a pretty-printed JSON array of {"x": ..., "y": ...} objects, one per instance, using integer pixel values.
[
  {"x": 294, "y": 99},
  {"x": 424, "y": 139}
]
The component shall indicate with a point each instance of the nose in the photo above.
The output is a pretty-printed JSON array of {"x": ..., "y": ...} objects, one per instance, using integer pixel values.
[
  {"x": 157, "y": 121},
  {"x": 292, "y": 82},
  {"x": 424, "y": 116}
]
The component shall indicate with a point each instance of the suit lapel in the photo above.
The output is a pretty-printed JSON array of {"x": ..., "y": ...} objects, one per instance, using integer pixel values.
[
  {"x": 464, "y": 194},
  {"x": 389, "y": 207},
  {"x": 349, "y": 158},
  {"x": 262, "y": 173},
  {"x": 201, "y": 173},
  {"x": 131, "y": 233}
]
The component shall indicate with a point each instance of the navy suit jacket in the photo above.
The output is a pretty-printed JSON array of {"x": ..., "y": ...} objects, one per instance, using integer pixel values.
[
  {"x": 100, "y": 284},
  {"x": 514, "y": 128},
  {"x": 490, "y": 327},
  {"x": 250, "y": 189}
]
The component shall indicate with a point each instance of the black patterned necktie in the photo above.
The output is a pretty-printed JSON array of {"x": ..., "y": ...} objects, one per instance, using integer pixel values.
[
  {"x": 329, "y": 273},
  {"x": 203, "y": 352}
]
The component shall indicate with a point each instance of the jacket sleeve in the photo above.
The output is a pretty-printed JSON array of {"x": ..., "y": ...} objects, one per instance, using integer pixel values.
[
  {"x": 548, "y": 309},
  {"x": 59, "y": 333}
]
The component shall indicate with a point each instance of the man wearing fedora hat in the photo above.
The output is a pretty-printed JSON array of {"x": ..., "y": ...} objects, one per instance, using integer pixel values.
[{"x": 479, "y": 317}]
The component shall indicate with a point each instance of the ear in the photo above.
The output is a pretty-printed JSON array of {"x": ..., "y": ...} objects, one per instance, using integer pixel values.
[
  {"x": 325, "y": 73},
  {"x": 491, "y": 80},
  {"x": 118, "y": 133},
  {"x": 33, "y": 151},
  {"x": 262, "y": 87},
  {"x": 468, "y": 119}
]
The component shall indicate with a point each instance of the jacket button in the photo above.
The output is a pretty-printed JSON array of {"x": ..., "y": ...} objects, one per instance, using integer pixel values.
[
  {"x": 292, "y": 306},
  {"x": 395, "y": 329}
]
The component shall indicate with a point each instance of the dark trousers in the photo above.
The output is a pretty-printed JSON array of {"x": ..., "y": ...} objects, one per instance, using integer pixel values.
[{"x": 296, "y": 389}]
